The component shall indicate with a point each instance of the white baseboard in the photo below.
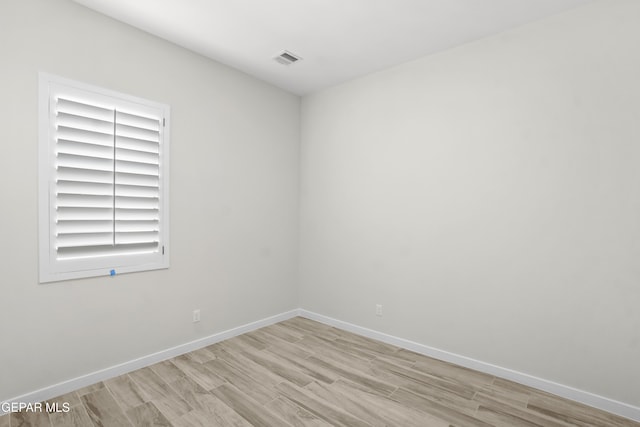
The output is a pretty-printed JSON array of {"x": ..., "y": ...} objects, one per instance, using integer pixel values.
[
  {"x": 123, "y": 368},
  {"x": 600, "y": 402},
  {"x": 590, "y": 399}
]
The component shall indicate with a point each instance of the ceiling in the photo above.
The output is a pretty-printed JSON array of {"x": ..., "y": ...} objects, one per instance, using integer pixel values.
[{"x": 337, "y": 39}]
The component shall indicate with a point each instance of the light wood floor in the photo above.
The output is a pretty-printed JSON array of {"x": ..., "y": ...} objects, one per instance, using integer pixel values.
[{"x": 303, "y": 373}]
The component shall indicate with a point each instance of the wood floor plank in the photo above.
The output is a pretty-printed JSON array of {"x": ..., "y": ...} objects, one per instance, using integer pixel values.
[
  {"x": 125, "y": 392},
  {"x": 167, "y": 371},
  {"x": 151, "y": 385},
  {"x": 447, "y": 370},
  {"x": 365, "y": 343},
  {"x": 436, "y": 409},
  {"x": 147, "y": 415},
  {"x": 90, "y": 388},
  {"x": 197, "y": 372},
  {"x": 404, "y": 357},
  {"x": 486, "y": 395},
  {"x": 76, "y": 417},
  {"x": 195, "y": 418},
  {"x": 103, "y": 409},
  {"x": 311, "y": 327},
  {"x": 574, "y": 413},
  {"x": 283, "y": 333},
  {"x": 392, "y": 412},
  {"x": 326, "y": 348},
  {"x": 220, "y": 415},
  {"x": 505, "y": 392},
  {"x": 306, "y": 366},
  {"x": 317, "y": 406},
  {"x": 273, "y": 364},
  {"x": 70, "y": 398},
  {"x": 241, "y": 381},
  {"x": 236, "y": 345},
  {"x": 256, "y": 414},
  {"x": 355, "y": 349},
  {"x": 503, "y": 419},
  {"x": 30, "y": 419},
  {"x": 295, "y": 415},
  {"x": 154, "y": 389},
  {"x": 191, "y": 392},
  {"x": 258, "y": 372},
  {"x": 355, "y": 407},
  {"x": 445, "y": 392},
  {"x": 398, "y": 358},
  {"x": 493, "y": 411},
  {"x": 201, "y": 355},
  {"x": 293, "y": 327},
  {"x": 280, "y": 346},
  {"x": 354, "y": 374},
  {"x": 252, "y": 341},
  {"x": 510, "y": 386},
  {"x": 319, "y": 329}
]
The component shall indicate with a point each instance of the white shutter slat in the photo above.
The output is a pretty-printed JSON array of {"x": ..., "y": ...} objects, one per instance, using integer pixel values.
[
  {"x": 137, "y": 202},
  {"x": 88, "y": 188},
  {"x": 72, "y": 121},
  {"x": 137, "y": 168},
  {"x": 84, "y": 136},
  {"x": 84, "y": 175},
  {"x": 84, "y": 162},
  {"x": 80, "y": 108},
  {"x": 84, "y": 149},
  {"x": 138, "y": 121},
  {"x": 137, "y": 237},
  {"x": 138, "y": 226},
  {"x": 84, "y": 226},
  {"x": 137, "y": 191},
  {"x": 145, "y": 157},
  {"x": 135, "y": 179},
  {"x": 137, "y": 144},
  {"x": 83, "y": 239},
  {"x": 83, "y": 213},
  {"x": 84, "y": 201},
  {"x": 107, "y": 250},
  {"x": 137, "y": 133},
  {"x": 137, "y": 214}
]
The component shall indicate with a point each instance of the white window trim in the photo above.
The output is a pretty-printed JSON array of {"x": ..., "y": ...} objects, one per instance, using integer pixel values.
[{"x": 51, "y": 269}]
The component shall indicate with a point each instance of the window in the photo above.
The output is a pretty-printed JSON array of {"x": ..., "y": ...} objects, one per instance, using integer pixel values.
[{"x": 104, "y": 163}]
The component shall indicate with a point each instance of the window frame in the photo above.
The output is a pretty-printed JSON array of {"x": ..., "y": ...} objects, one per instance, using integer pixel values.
[{"x": 51, "y": 268}]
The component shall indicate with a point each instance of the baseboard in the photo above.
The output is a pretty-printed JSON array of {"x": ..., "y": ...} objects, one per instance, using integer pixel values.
[
  {"x": 590, "y": 399},
  {"x": 596, "y": 401},
  {"x": 123, "y": 368}
]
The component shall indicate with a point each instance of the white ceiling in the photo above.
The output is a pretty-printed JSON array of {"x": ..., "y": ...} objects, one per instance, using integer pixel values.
[{"x": 337, "y": 39}]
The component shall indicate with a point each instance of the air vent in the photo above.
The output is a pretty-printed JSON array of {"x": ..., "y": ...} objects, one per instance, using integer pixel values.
[{"x": 286, "y": 58}]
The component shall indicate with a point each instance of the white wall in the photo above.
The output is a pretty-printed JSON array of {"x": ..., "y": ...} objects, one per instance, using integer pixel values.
[
  {"x": 488, "y": 197},
  {"x": 234, "y": 200}
]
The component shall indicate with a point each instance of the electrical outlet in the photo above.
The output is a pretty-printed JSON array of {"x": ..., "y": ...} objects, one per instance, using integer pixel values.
[
  {"x": 378, "y": 309},
  {"x": 196, "y": 315}
]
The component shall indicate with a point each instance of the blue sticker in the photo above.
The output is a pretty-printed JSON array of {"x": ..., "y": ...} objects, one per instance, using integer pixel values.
[{"x": 112, "y": 272}]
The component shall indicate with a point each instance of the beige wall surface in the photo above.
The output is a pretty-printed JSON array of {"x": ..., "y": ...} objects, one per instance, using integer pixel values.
[
  {"x": 487, "y": 197},
  {"x": 234, "y": 200}
]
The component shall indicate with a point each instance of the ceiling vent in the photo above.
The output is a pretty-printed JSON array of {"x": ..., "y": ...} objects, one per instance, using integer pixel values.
[{"x": 286, "y": 58}]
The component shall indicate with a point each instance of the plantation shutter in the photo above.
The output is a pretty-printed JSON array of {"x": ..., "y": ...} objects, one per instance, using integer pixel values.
[
  {"x": 106, "y": 186},
  {"x": 107, "y": 181}
]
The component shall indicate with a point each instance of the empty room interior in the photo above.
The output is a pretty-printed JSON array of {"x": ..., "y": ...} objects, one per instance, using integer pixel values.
[{"x": 313, "y": 213}]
